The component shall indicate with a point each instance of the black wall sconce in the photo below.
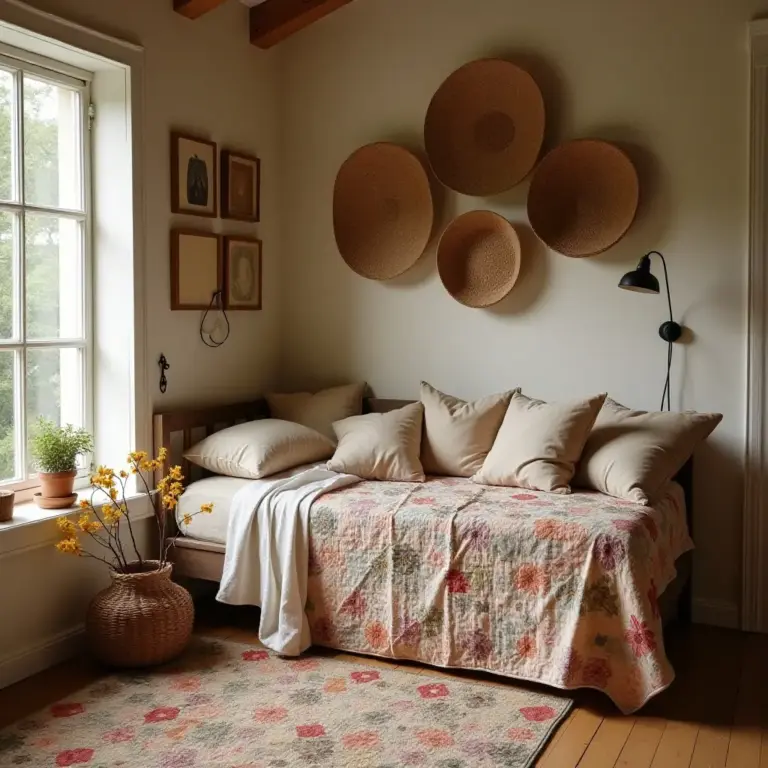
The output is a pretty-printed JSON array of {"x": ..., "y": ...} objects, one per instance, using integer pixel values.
[{"x": 642, "y": 280}]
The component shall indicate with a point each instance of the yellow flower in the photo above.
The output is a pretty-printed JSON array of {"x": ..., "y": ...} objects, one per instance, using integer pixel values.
[
  {"x": 70, "y": 546},
  {"x": 162, "y": 454},
  {"x": 113, "y": 493},
  {"x": 66, "y": 526},
  {"x": 111, "y": 514},
  {"x": 104, "y": 478},
  {"x": 187, "y": 519},
  {"x": 87, "y": 525},
  {"x": 123, "y": 474},
  {"x": 136, "y": 457},
  {"x": 83, "y": 504},
  {"x": 206, "y": 509},
  {"x": 175, "y": 473}
]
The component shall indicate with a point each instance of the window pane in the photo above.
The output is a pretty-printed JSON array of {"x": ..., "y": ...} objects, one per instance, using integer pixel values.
[
  {"x": 7, "y": 173},
  {"x": 54, "y": 387},
  {"x": 54, "y": 277},
  {"x": 52, "y": 145},
  {"x": 9, "y": 236},
  {"x": 7, "y": 420}
]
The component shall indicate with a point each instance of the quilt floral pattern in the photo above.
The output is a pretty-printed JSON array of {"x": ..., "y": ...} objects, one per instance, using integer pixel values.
[{"x": 560, "y": 590}]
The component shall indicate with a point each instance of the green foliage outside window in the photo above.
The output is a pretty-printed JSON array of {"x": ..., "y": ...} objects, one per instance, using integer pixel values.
[{"x": 42, "y": 235}]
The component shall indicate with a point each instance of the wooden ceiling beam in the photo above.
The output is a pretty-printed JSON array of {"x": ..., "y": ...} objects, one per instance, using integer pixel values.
[
  {"x": 275, "y": 20},
  {"x": 194, "y": 9}
]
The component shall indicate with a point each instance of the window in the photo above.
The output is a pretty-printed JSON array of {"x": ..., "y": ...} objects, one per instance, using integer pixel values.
[{"x": 45, "y": 284}]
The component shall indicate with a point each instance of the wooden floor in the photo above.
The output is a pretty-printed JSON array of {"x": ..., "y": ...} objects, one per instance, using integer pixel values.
[{"x": 715, "y": 715}]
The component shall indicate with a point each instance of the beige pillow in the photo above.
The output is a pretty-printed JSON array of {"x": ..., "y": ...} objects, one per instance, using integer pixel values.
[
  {"x": 457, "y": 434},
  {"x": 259, "y": 449},
  {"x": 320, "y": 410},
  {"x": 633, "y": 454},
  {"x": 539, "y": 444},
  {"x": 381, "y": 446}
]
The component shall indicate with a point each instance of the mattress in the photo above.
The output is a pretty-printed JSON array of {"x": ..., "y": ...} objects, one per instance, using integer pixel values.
[
  {"x": 216, "y": 490},
  {"x": 220, "y": 491}
]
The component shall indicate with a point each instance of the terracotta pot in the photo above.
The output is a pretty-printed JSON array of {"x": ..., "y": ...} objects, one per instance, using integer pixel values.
[
  {"x": 7, "y": 499},
  {"x": 142, "y": 619},
  {"x": 57, "y": 485}
]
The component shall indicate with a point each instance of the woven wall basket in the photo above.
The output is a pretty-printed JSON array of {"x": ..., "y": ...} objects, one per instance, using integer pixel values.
[
  {"x": 142, "y": 619},
  {"x": 583, "y": 197},
  {"x": 478, "y": 258},
  {"x": 484, "y": 127},
  {"x": 382, "y": 211}
]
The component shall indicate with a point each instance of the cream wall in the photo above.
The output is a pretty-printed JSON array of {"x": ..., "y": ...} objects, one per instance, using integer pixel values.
[
  {"x": 203, "y": 77},
  {"x": 669, "y": 81}
]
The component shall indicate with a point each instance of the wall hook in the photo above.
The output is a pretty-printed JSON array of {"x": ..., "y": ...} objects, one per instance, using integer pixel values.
[{"x": 164, "y": 366}]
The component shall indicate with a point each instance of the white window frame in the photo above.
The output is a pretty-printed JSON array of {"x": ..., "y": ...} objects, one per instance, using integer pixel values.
[{"x": 19, "y": 62}]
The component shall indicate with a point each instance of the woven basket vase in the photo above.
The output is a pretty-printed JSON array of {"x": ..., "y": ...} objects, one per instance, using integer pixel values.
[{"x": 142, "y": 619}]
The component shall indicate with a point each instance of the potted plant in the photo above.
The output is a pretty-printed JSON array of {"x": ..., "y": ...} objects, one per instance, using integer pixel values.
[
  {"x": 143, "y": 618},
  {"x": 55, "y": 450}
]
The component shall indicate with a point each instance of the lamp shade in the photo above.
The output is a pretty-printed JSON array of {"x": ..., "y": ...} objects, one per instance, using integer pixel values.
[{"x": 640, "y": 280}]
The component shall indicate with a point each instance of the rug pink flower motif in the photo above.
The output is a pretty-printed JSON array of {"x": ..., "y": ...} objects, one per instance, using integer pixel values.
[
  {"x": 161, "y": 715},
  {"x": 216, "y": 707},
  {"x": 433, "y": 691}
]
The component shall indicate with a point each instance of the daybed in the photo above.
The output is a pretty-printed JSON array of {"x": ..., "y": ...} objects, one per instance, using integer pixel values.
[{"x": 566, "y": 590}]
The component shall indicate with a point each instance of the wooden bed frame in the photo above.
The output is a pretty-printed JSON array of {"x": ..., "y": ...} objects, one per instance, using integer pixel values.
[{"x": 205, "y": 560}]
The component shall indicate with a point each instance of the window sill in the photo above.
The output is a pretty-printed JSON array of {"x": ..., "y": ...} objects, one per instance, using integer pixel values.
[{"x": 32, "y": 527}]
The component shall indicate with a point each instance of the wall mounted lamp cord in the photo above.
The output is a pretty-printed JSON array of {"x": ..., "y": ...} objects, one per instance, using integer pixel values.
[
  {"x": 210, "y": 341},
  {"x": 642, "y": 280}
]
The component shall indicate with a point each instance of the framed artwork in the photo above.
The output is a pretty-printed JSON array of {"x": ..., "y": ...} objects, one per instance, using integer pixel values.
[
  {"x": 240, "y": 186},
  {"x": 242, "y": 270},
  {"x": 196, "y": 268},
  {"x": 194, "y": 188}
]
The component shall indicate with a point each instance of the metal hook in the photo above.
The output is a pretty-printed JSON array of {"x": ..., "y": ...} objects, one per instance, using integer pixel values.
[{"x": 164, "y": 366}]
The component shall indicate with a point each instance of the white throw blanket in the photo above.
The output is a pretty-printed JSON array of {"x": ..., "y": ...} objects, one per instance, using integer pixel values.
[{"x": 267, "y": 556}]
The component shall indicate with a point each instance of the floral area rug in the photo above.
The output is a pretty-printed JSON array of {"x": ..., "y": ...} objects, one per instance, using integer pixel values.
[{"x": 227, "y": 704}]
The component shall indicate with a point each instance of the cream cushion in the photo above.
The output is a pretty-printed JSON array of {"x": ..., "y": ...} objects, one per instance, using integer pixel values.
[
  {"x": 318, "y": 411},
  {"x": 633, "y": 454},
  {"x": 381, "y": 446},
  {"x": 457, "y": 434},
  {"x": 539, "y": 443},
  {"x": 259, "y": 449}
]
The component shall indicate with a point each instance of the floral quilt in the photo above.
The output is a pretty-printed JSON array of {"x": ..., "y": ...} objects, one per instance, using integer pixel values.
[{"x": 560, "y": 590}]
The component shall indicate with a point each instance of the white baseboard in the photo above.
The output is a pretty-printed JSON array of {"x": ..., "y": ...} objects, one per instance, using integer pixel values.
[
  {"x": 718, "y": 613},
  {"x": 55, "y": 649}
]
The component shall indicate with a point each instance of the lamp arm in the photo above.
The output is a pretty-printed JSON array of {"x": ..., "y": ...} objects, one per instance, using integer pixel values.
[
  {"x": 670, "y": 332},
  {"x": 666, "y": 280}
]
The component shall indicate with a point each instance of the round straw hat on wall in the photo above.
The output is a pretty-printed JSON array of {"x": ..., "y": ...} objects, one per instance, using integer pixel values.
[
  {"x": 478, "y": 258},
  {"x": 583, "y": 197},
  {"x": 484, "y": 127},
  {"x": 382, "y": 211}
]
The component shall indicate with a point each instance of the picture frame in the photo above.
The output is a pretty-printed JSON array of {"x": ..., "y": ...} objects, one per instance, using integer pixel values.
[
  {"x": 197, "y": 268},
  {"x": 240, "y": 186},
  {"x": 242, "y": 273},
  {"x": 194, "y": 175}
]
